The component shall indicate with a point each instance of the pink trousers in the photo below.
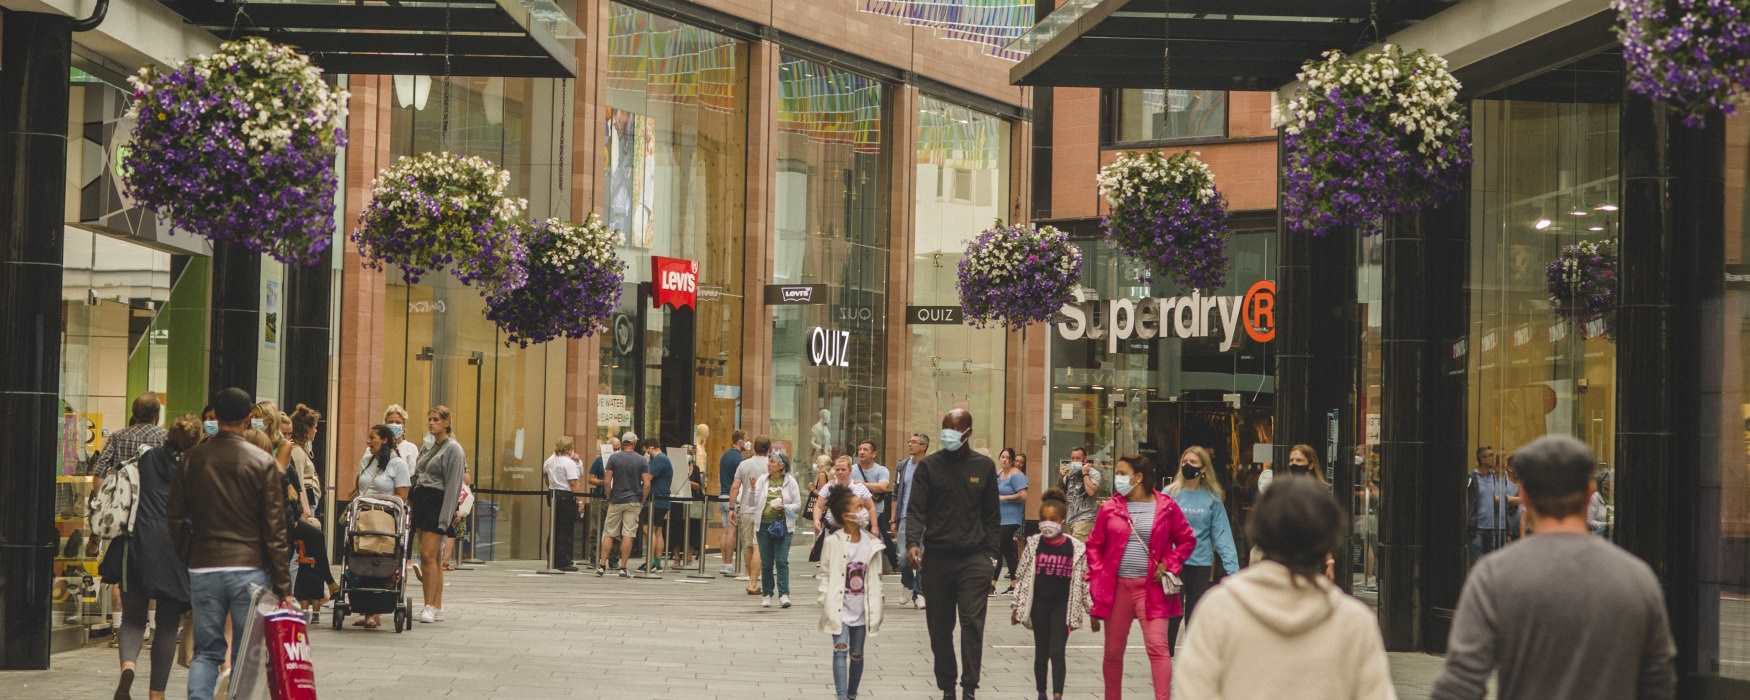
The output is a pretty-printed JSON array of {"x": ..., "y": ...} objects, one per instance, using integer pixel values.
[{"x": 1132, "y": 604}]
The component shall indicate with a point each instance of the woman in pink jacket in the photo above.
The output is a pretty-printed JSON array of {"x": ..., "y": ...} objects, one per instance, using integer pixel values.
[{"x": 1137, "y": 535}]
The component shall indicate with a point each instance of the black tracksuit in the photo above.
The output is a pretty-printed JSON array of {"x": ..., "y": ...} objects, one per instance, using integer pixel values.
[{"x": 953, "y": 516}]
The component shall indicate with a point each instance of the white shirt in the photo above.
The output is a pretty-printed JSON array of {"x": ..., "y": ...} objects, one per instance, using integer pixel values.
[
  {"x": 857, "y": 580},
  {"x": 561, "y": 470},
  {"x": 748, "y": 475}
]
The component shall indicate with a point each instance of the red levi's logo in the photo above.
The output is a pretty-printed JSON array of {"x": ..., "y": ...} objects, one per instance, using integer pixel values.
[{"x": 677, "y": 282}]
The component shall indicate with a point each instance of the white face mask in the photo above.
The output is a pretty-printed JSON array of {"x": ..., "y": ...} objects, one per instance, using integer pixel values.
[
  {"x": 1121, "y": 484},
  {"x": 1050, "y": 529},
  {"x": 859, "y": 516},
  {"x": 430, "y": 440},
  {"x": 258, "y": 425}
]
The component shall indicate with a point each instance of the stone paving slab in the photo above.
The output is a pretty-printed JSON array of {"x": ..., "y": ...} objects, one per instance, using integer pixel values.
[{"x": 513, "y": 634}]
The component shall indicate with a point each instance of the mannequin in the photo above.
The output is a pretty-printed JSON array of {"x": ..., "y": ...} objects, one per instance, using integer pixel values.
[{"x": 821, "y": 436}]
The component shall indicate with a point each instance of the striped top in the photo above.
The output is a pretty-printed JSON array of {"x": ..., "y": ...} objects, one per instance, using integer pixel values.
[{"x": 1142, "y": 522}]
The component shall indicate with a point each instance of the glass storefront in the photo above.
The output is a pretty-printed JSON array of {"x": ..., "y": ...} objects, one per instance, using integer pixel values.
[
  {"x": 831, "y": 229},
  {"x": 674, "y": 144},
  {"x": 1165, "y": 115},
  {"x": 1209, "y": 385},
  {"x": 1724, "y": 501},
  {"x": 961, "y": 187},
  {"x": 506, "y": 403}
]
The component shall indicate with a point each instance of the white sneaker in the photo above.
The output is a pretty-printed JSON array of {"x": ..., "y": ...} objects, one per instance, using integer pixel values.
[
  {"x": 784, "y": 601},
  {"x": 905, "y": 602},
  {"x": 920, "y": 601},
  {"x": 438, "y": 614},
  {"x": 741, "y": 578},
  {"x": 427, "y": 616},
  {"x": 766, "y": 601}
]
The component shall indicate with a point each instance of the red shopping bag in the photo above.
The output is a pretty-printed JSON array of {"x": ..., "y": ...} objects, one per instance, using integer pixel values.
[{"x": 290, "y": 673}]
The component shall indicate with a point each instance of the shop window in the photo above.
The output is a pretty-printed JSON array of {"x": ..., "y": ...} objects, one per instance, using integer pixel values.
[
  {"x": 955, "y": 366},
  {"x": 673, "y": 183},
  {"x": 1142, "y": 116},
  {"x": 1723, "y": 503},
  {"x": 1546, "y": 176},
  {"x": 832, "y": 229}
]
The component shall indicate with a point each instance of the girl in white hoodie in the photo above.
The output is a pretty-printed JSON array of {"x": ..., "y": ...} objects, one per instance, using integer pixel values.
[
  {"x": 1320, "y": 642},
  {"x": 850, "y": 589}
]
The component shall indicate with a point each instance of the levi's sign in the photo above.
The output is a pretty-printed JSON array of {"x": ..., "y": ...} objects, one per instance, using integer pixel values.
[
  {"x": 677, "y": 282},
  {"x": 786, "y": 294},
  {"x": 1194, "y": 316}
]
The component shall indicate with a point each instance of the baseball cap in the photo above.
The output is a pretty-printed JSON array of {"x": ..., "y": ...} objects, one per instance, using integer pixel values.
[{"x": 629, "y": 436}]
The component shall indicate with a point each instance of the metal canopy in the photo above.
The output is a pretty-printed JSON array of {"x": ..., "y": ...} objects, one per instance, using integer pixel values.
[
  {"x": 1216, "y": 44},
  {"x": 509, "y": 38}
]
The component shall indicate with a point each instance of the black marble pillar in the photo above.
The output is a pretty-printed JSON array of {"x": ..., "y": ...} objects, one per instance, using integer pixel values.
[
  {"x": 304, "y": 366},
  {"x": 37, "y": 56},
  {"x": 1673, "y": 181},
  {"x": 234, "y": 344},
  {"x": 1446, "y": 235},
  {"x": 1295, "y": 418},
  {"x": 1404, "y": 351}
]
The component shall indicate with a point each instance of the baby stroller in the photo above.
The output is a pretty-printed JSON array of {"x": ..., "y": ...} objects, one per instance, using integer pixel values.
[{"x": 375, "y": 580}]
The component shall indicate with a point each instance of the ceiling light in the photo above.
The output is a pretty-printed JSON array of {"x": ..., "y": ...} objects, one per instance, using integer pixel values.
[
  {"x": 1578, "y": 212},
  {"x": 1542, "y": 224},
  {"x": 1595, "y": 228},
  {"x": 1606, "y": 207}
]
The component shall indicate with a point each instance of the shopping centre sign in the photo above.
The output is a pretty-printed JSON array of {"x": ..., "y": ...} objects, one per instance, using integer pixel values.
[{"x": 1193, "y": 316}]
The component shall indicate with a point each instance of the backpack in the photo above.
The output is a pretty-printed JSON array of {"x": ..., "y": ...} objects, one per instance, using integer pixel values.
[{"x": 116, "y": 503}]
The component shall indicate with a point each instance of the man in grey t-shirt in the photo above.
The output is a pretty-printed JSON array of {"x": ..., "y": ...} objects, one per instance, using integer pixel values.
[
  {"x": 627, "y": 477},
  {"x": 1562, "y": 613},
  {"x": 1081, "y": 491}
]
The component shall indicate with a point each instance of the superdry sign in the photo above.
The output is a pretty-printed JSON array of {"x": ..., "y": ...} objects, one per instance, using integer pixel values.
[
  {"x": 1194, "y": 316},
  {"x": 677, "y": 282}
]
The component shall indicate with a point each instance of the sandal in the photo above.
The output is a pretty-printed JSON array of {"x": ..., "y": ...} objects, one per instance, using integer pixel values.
[
  {"x": 372, "y": 624},
  {"x": 362, "y": 622}
]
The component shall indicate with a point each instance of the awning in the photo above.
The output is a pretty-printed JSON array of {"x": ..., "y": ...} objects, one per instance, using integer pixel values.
[
  {"x": 1216, "y": 44},
  {"x": 510, "y": 38}
]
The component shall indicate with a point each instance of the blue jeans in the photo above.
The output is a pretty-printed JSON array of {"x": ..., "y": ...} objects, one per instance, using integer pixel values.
[
  {"x": 908, "y": 577},
  {"x": 212, "y": 595},
  {"x": 847, "y": 660},
  {"x": 774, "y": 558}
]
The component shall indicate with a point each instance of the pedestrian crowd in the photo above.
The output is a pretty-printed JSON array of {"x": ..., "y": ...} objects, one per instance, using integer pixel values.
[{"x": 229, "y": 504}]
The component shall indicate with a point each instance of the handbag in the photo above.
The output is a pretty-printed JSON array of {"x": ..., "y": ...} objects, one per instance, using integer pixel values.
[{"x": 778, "y": 530}]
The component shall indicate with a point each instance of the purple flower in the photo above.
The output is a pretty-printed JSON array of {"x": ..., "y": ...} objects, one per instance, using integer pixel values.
[
  {"x": 1017, "y": 275},
  {"x": 1699, "y": 62},
  {"x": 1170, "y": 228},
  {"x": 570, "y": 301},
  {"x": 1582, "y": 283}
]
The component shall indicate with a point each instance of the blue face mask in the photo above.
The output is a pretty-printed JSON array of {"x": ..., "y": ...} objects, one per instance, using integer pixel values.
[
  {"x": 395, "y": 429},
  {"x": 210, "y": 427},
  {"x": 258, "y": 425},
  {"x": 951, "y": 439}
]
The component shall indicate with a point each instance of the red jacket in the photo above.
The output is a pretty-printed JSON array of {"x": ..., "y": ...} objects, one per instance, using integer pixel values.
[{"x": 1169, "y": 544}]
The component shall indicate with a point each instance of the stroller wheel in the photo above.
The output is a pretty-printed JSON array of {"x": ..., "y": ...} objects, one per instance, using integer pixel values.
[
  {"x": 338, "y": 617},
  {"x": 400, "y": 621}
]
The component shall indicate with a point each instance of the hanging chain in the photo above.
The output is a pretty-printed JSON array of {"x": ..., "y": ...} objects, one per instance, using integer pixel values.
[
  {"x": 1373, "y": 18},
  {"x": 564, "y": 111},
  {"x": 444, "y": 128},
  {"x": 1166, "y": 55}
]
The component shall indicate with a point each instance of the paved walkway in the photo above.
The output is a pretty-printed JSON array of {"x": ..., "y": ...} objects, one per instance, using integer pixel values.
[{"x": 512, "y": 633}]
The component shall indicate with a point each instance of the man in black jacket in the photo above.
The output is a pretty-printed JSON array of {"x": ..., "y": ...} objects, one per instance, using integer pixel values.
[{"x": 953, "y": 515}]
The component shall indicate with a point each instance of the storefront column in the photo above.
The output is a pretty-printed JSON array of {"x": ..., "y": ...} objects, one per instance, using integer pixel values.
[
  {"x": 1446, "y": 235},
  {"x": 304, "y": 370},
  {"x": 756, "y": 352},
  {"x": 583, "y": 357},
  {"x": 364, "y": 295},
  {"x": 1672, "y": 227},
  {"x": 1403, "y": 450},
  {"x": 900, "y": 115},
  {"x": 37, "y": 55},
  {"x": 1294, "y": 334},
  {"x": 234, "y": 344}
]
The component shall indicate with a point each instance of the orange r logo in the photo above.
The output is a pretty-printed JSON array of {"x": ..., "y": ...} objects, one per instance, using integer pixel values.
[{"x": 1258, "y": 311}]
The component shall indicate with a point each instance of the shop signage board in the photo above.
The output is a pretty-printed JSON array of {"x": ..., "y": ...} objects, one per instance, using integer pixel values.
[
  {"x": 829, "y": 348},
  {"x": 932, "y": 315},
  {"x": 726, "y": 391},
  {"x": 795, "y": 294},
  {"x": 677, "y": 282},
  {"x": 1191, "y": 316}
]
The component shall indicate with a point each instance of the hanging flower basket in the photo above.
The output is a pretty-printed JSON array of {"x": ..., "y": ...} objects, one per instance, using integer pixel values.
[
  {"x": 437, "y": 211},
  {"x": 238, "y": 147},
  {"x": 1370, "y": 136},
  {"x": 1017, "y": 275},
  {"x": 573, "y": 283},
  {"x": 1582, "y": 283},
  {"x": 1698, "y": 63},
  {"x": 1166, "y": 211}
]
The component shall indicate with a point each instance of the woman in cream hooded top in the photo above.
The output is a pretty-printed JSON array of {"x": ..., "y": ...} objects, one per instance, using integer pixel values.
[{"x": 1321, "y": 643}]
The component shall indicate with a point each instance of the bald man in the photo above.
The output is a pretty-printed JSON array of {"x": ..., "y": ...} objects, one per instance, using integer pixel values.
[{"x": 953, "y": 516}]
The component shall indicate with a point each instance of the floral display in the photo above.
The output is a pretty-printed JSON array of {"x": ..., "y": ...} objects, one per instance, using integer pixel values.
[
  {"x": 437, "y": 211},
  {"x": 1166, "y": 211},
  {"x": 238, "y": 146},
  {"x": 1582, "y": 283},
  {"x": 1017, "y": 275},
  {"x": 1699, "y": 62},
  {"x": 573, "y": 283},
  {"x": 1370, "y": 136}
]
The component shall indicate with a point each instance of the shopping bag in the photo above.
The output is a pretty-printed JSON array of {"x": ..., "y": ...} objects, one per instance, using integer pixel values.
[
  {"x": 248, "y": 674},
  {"x": 290, "y": 674},
  {"x": 185, "y": 643}
]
